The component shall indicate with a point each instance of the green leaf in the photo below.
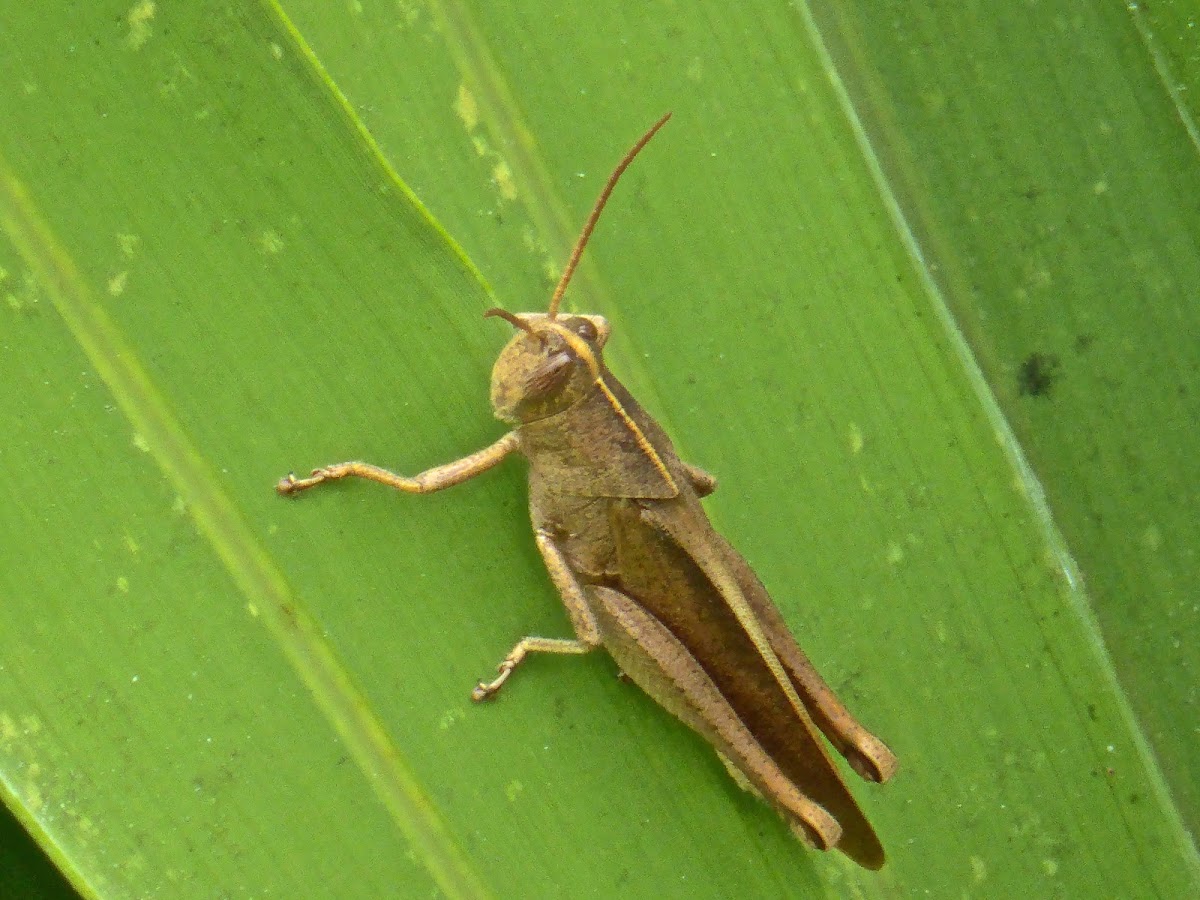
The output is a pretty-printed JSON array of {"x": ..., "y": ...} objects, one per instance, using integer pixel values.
[
  {"x": 1065, "y": 241},
  {"x": 827, "y": 280}
]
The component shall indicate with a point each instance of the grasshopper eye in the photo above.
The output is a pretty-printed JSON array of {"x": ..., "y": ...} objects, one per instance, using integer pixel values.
[{"x": 585, "y": 330}]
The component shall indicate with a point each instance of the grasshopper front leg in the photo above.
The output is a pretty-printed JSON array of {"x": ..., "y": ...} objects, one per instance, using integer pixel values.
[
  {"x": 430, "y": 480},
  {"x": 587, "y": 632}
]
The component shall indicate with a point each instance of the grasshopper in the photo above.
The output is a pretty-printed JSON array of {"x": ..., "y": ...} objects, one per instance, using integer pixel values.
[{"x": 618, "y": 520}]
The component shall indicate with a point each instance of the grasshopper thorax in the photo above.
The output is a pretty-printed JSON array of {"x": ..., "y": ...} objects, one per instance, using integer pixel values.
[{"x": 550, "y": 364}]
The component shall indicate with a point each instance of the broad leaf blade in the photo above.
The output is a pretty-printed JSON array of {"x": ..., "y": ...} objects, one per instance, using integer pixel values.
[
  {"x": 292, "y": 309},
  {"x": 1065, "y": 238}
]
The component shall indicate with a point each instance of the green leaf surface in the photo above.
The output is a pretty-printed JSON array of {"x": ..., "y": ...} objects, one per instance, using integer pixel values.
[
  {"x": 1068, "y": 242},
  {"x": 216, "y": 269}
]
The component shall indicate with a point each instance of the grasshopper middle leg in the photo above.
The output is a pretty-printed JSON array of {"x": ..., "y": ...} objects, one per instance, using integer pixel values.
[{"x": 587, "y": 632}]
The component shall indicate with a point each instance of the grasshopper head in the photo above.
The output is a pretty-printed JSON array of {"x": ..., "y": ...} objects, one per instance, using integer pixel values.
[{"x": 551, "y": 363}]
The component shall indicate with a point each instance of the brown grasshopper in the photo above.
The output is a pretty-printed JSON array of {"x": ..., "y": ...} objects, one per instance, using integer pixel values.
[{"x": 617, "y": 518}]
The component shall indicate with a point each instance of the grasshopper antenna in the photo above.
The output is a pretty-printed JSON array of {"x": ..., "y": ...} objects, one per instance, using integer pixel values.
[
  {"x": 590, "y": 224},
  {"x": 514, "y": 320}
]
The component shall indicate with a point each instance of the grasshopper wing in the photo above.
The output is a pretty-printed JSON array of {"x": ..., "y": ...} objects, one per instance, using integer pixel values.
[
  {"x": 682, "y": 575},
  {"x": 867, "y": 755},
  {"x": 657, "y": 661}
]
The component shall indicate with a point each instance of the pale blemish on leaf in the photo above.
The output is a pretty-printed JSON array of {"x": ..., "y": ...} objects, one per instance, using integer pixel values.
[
  {"x": 139, "y": 440},
  {"x": 895, "y": 553},
  {"x": 23, "y": 297},
  {"x": 170, "y": 86},
  {"x": 276, "y": 50},
  {"x": 409, "y": 12},
  {"x": 116, "y": 284},
  {"x": 513, "y": 790},
  {"x": 979, "y": 870},
  {"x": 32, "y": 795},
  {"x": 467, "y": 109},
  {"x": 1152, "y": 538},
  {"x": 129, "y": 244},
  {"x": 139, "y": 17},
  {"x": 857, "y": 441},
  {"x": 271, "y": 242},
  {"x": 449, "y": 717},
  {"x": 14, "y": 739},
  {"x": 1019, "y": 485},
  {"x": 47, "y": 787},
  {"x": 530, "y": 239},
  {"x": 503, "y": 176},
  {"x": 131, "y": 544},
  {"x": 551, "y": 268},
  {"x": 8, "y": 731},
  {"x": 122, "y": 584}
]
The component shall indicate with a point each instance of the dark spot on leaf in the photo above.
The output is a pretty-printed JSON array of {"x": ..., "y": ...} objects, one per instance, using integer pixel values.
[{"x": 1037, "y": 374}]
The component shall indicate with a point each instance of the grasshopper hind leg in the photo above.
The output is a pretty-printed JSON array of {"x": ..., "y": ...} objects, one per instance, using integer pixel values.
[
  {"x": 702, "y": 482},
  {"x": 663, "y": 667}
]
